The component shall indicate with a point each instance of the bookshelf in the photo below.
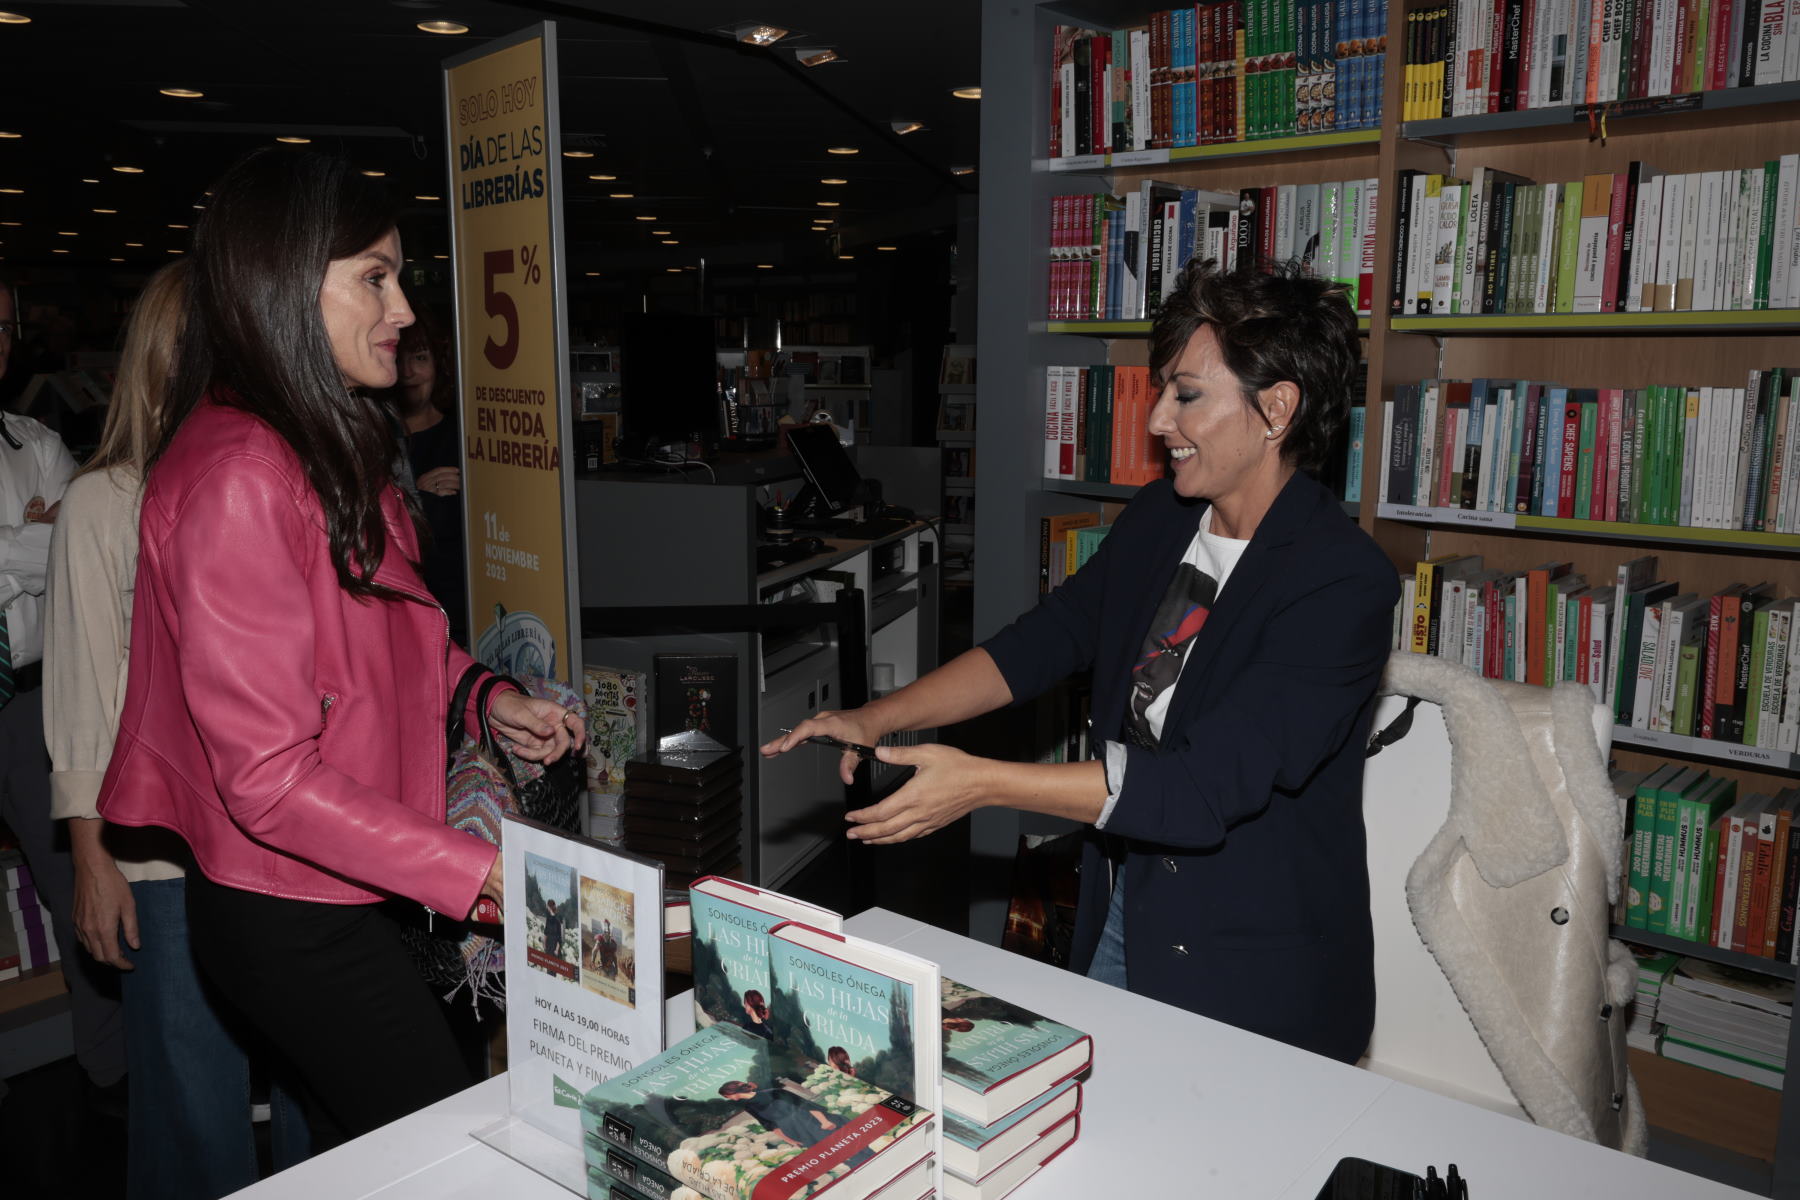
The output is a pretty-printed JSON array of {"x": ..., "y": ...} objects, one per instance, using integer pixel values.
[{"x": 1715, "y": 131}]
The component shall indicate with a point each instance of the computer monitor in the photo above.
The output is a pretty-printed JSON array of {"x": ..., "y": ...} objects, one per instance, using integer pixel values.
[
  {"x": 668, "y": 378},
  {"x": 832, "y": 479}
]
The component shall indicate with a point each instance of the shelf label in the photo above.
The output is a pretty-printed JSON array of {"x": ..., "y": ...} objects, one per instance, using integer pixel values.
[
  {"x": 1761, "y": 756},
  {"x": 1078, "y": 162},
  {"x": 1469, "y": 516},
  {"x": 1406, "y": 512},
  {"x": 1140, "y": 158}
]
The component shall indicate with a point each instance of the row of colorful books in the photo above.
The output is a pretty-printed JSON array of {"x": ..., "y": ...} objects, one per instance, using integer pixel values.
[
  {"x": 1639, "y": 240},
  {"x": 1723, "y": 1018},
  {"x": 1697, "y": 457},
  {"x": 1218, "y": 72},
  {"x": 27, "y": 939},
  {"x": 1724, "y": 667},
  {"x": 1475, "y": 56},
  {"x": 1095, "y": 420},
  {"x": 823, "y": 1060},
  {"x": 1065, "y": 542},
  {"x": 1117, "y": 257}
]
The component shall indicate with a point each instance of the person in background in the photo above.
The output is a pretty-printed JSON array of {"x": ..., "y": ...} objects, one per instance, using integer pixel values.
[
  {"x": 35, "y": 467},
  {"x": 289, "y": 671},
  {"x": 189, "y": 1128},
  {"x": 1235, "y": 623},
  {"x": 425, "y": 402}
]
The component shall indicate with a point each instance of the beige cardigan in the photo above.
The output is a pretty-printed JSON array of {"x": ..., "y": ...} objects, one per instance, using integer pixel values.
[{"x": 87, "y": 637}]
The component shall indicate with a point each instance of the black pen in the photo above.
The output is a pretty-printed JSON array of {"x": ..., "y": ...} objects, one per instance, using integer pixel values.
[
  {"x": 1458, "y": 1186},
  {"x": 1434, "y": 1187}
]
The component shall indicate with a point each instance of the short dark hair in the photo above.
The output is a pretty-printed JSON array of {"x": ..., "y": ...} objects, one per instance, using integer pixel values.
[
  {"x": 1273, "y": 323},
  {"x": 255, "y": 333}
]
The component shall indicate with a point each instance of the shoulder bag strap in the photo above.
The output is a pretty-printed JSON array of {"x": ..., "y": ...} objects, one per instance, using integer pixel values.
[
  {"x": 459, "y": 703},
  {"x": 488, "y": 741}
]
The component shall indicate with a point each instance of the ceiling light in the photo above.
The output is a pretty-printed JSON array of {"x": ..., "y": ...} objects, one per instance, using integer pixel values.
[
  {"x": 592, "y": 273},
  {"x": 67, "y": 233},
  {"x": 905, "y": 127},
  {"x": 765, "y": 266},
  {"x": 171, "y": 226},
  {"x": 13, "y": 18},
  {"x": 7, "y": 133},
  {"x": 602, "y": 178},
  {"x": 846, "y": 256},
  {"x": 375, "y": 174},
  {"x": 671, "y": 242},
  {"x": 760, "y": 35},
  {"x": 962, "y": 170},
  {"x": 445, "y": 27},
  {"x": 824, "y": 221},
  {"x": 106, "y": 211},
  {"x": 660, "y": 232},
  {"x": 673, "y": 270},
  {"x": 14, "y": 224},
  {"x": 834, "y": 181},
  {"x": 182, "y": 93},
  {"x": 578, "y": 154},
  {"x": 966, "y": 93},
  {"x": 59, "y": 251},
  {"x": 428, "y": 199},
  {"x": 12, "y": 191},
  {"x": 817, "y": 58},
  {"x": 134, "y": 245},
  {"x": 887, "y": 247},
  {"x": 842, "y": 150},
  {"x": 199, "y": 208},
  {"x": 440, "y": 256},
  {"x": 645, "y": 218},
  {"x": 619, "y": 195},
  {"x": 115, "y": 260},
  {"x": 177, "y": 251},
  {"x": 829, "y": 204},
  {"x": 295, "y": 141},
  {"x": 124, "y": 171}
]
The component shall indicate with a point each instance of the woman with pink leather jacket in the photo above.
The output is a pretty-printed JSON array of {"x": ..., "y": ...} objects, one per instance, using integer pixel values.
[{"x": 289, "y": 671}]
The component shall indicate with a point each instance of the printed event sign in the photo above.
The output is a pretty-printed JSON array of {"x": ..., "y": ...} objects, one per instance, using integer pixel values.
[
  {"x": 584, "y": 985},
  {"x": 505, "y": 199}
]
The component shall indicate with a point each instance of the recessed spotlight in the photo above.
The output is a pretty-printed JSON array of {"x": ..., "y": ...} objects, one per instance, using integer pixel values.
[
  {"x": 107, "y": 212},
  {"x": 834, "y": 181},
  {"x": 591, "y": 274},
  {"x": 965, "y": 170},
  {"x": 59, "y": 251},
  {"x": 578, "y": 154},
  {"x": 842, "y": 150},
  {"x": 177, "y": 226},
  {"x": 440, "y": 256},
  {"x": 828, "y": 204},
  {"x": 294, "y": 140},
  {"x": 12, "y": 191},
  {"x": 661, "y": 232},
  {"x": 181, "y": 93},
  {"x": 127, "y": 171},
  {"x": 603, "y": 178},
  {"x": 671, "y": 242},
  {"x": 817, "y": 58},
  {"x": 966, "y": 93},
  {"x": 172, "y": 251},
  {"x": 7, "y": 133},
  {"x": 846, "y": 256},
  {"x": 906, "y": 127},
  {"x": 13, "y": 18},
  {"x": 12, "y": 224},
  {"x": 450, "y": 28},
  {"x": 824, "y": 221},
  {"x": 673, "y": 270},
  {"x": 115, "y": 260},
  {"x": 67, "y": 233},
  {"x": 760, "y": 35},
  {"x": 765, "y": 266},
  {"x": 375, "y": 174},
  {"x": 645, "y": 218},
  {"x": 887, "y": 247},
  {"x": 618, "y": 195},
  {"x": 134, "y": 245},
  {"x": 90, "y": 181},
  {"x": 428, "y": 199}
]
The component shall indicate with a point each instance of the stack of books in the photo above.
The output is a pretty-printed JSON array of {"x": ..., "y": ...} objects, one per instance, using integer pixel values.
[
  {"x": 1467, "y": 58},
  {"x": 1637, "y": 240},
  {"x": 26, "y": 940},
  {"x": 1727, "y": 1020},
  {"x": 618, "y": 722},
  {"x": 1011, "y": 1099},
  {"x": 1116, "y": 258},
  {"x": 1653, "y": 970},
  {"x": 684, "y": 810}
]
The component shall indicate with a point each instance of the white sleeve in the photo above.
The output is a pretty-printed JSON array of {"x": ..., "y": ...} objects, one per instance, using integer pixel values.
[
  {"x": 25, "y": 547},
  {"x": 1113, "y": 760}
]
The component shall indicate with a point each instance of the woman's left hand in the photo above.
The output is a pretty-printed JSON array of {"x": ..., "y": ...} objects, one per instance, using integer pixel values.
[
  {"x": 947, "y": 785},
  {"x": 440, "y": 481},
  {"x": 540, "y": 730}
]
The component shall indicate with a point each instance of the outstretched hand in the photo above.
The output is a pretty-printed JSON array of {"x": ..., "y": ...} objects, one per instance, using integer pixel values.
[
  {"x": 541, "y": 731},
  {"x": 852, "y": 725},
  {"x": 946, "y": 786}
]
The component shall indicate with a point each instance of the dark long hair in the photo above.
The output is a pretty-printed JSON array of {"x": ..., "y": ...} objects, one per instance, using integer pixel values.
[{"x": 256, "y": 339}]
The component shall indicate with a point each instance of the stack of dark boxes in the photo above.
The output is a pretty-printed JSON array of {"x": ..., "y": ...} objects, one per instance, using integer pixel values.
[{"x": 685, "y": 810}]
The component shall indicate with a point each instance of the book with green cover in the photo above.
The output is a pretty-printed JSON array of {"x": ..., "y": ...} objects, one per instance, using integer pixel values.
[
  {"x": 1759, "y": 637},
  {"x": 972, "y": 1151},
  {"x": 1643, "y": 842},
  {"x": 1687, "y": 680},
  {"x": 1707, "y": 807},
  {"x": 1568, "y": 248},
  {"x": 731, "y": 923},
  {"x": 998, "y": 1056},
  {"x": 1662, "y": 862}
]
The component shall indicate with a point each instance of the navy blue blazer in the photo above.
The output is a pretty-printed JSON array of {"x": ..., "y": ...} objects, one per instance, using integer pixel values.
[{"x": 1241, "y": 834}]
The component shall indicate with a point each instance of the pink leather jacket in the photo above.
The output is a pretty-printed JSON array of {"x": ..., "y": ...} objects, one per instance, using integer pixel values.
[{"x": 293, "y": 734}]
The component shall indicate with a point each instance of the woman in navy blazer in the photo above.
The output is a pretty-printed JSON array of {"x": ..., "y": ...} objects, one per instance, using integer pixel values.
[{"x": 1226, "y": 871}]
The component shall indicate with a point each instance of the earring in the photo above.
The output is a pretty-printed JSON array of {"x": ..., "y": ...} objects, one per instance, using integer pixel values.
[{"x": 1273, "y": 430}]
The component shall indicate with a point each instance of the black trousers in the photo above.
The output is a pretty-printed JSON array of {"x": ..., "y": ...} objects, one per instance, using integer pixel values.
[{"x": 332, "y": 989}]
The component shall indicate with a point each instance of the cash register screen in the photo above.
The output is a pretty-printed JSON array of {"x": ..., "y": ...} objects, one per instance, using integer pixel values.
[{"x": 827, "y": 466}]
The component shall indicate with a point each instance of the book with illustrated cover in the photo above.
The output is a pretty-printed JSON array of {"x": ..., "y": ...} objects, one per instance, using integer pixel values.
[
  {"x": 617, "y": 725},
  {"x": 696, "y": 692},
  {"x": 973, "y": 1152},
  {"x": 999, "y": 1056},
  {"x": 731, "y": 923},
  {"x": 717, "y": 1113},
  {"x": 1028, "y": 1162}
]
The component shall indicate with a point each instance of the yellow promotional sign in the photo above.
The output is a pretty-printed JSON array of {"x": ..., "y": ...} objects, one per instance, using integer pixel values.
[{"x": 506, "y": 225}]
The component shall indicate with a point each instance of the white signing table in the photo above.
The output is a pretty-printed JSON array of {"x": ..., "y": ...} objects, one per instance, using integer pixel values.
[{"x": 1177, "y": 1105}]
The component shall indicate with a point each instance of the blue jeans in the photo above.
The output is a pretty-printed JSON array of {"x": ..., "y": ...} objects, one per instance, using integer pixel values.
[
  {"x": 189, "y": 1100},
  {"x": 1109, "y": 956}
]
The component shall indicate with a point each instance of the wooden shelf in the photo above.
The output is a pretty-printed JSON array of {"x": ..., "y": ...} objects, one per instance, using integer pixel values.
[
  {"x": 1730, "y": 958},
  {"x": 1671, "y": 535},
  {"x": 1140, "y": 328},
  {"x": 1771, "y": 320},
  {"x": 1107, "y": 163}
]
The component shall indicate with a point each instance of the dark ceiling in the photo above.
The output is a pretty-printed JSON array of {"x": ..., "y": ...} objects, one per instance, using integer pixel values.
[{"x": 724, "y": 144}]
